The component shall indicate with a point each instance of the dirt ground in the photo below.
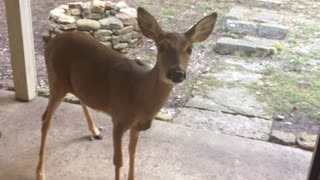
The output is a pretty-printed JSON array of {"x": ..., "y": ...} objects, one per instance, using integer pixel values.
[{"x": 174, "y": 16}]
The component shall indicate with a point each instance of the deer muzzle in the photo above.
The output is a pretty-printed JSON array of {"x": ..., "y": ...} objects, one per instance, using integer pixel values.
[{"x": 176, "y": 75}]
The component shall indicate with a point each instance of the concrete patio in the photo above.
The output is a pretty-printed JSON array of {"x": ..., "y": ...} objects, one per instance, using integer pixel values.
[{"x": 166, "y": 151}]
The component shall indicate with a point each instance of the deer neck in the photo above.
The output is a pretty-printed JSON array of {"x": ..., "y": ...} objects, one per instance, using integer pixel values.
[{"x": 154, "y": 92}]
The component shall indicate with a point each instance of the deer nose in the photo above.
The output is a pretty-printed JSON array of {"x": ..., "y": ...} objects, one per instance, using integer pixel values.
[{"x": 177, "y": 75}]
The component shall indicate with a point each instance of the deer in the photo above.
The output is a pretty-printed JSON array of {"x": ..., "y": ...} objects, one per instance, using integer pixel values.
[{"x": 105, "y": 80}]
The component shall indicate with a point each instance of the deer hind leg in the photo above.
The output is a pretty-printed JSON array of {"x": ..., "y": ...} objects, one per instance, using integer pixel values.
[
  {"x": 92, "y": 126},
  {"x": 134, "y": 137},
  {"x": 54, "y": 100}
]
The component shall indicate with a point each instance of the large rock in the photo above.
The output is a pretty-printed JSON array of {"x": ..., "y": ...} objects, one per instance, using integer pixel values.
[
  {"x": 120, "y": 46},
  {"x": 126, "y": 37},
  {"x": 284, "y": 138},
  {"x": 241, "y": 27},
  {"x": 272, "y": 31},
  {"x": 87, "y": 25},
  {"x": 307, "y": 141},
  {"x": 111, "y": 23},
  {"x": 124, "y": 30},
  {"x": 230, "y": 100},
  {"x": 268, "y": 17},
  {"x": 230, "y": 46},
  {"x": 120, "y": 5},
  {"x": 253, "y": 128},
  {"x": 56, "y": 13},
  {"x": 98, "y": 6},
  {"x": 131, "y": 12},
  {"x": 94, "y": 16},
  {"x": 126, "y": 19},
  {"x": 102, "y": 32},
  {"x": 65, "y": 19}
]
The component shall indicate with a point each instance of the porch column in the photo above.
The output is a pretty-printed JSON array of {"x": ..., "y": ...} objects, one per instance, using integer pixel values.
[{"x": 21, "y": 48}]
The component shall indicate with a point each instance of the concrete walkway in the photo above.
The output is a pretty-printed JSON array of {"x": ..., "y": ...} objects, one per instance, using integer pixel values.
[{"x": 167, "y": 151}]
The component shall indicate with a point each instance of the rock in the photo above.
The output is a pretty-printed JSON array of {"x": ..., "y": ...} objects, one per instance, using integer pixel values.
[
  {"x": 133, "y": 43},
  {"x": 124, "y": 51},
  {"x": 131, "y": 12},
  {"x": 236, "y": 13},
  {"x": 75, "y": 5},
  {"x": 223, "y": 99},
  {"x": 230, "y": 46},
  {"x": 57, "y": 31},
  {"x": 126, "y": 37},
  {"x": 120, "y": 5},
  {"x": 57, "y": 13},
  {"x": 52, "y": 26},
  {"x": 272, "y": 31},
  {"x": 164, "y": 116},
  {"x": 64, "y": 6},
  {"x": 65, "y": 19},
  {"x": 87, "y": 25},
  {"x": 113, "y": 12},
  {"x": 115, "y": 40},
  {"x": 75, "y": 12},
  {"x": 120, "y": 46},
  {"x": 136, "y": 35},
  {"x": 241, "y": 27},
  {"x": 307, "y": 141},
  {"x": 102, "y": 32},
  {"x": 279, "y": 118},
  {"x": 110, "y": 5},
  {"x": 253, "y": 128},
  {"x": 243, "y": 77},
  {"x": 111, "y": 23},
  {"x": 46, "y": 36},
  {"x": 68, "y": 27},
  {"x": 43, "y": 92},
  {"x": 94, "y": 16},
  {"x": 71, "y": 99},
  {"x": 268, "y": 4},
  {"x": 283, "y": 138},
  {"x": 126, "y": 20},
  {"x": 124, "y": 30},
  {"x": 107, "y": 43},
  {"x": 104, "y": 38},
  {"x": 98, "y": 6}
]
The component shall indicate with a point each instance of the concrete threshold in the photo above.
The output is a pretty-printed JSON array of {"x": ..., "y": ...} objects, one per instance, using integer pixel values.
[{"x": 166, "y": 151}]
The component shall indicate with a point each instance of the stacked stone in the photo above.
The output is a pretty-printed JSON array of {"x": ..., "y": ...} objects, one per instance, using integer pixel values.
[{"x": 113, "y": 24}]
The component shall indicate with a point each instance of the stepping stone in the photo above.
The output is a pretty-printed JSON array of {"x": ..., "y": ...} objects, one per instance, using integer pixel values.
[
  {"x": 243, "y": 77},
  {"x": 268, "y": 4},
  {"x": 227, "y": 45},
  {"x": 253, "y": 128},
  {"x": 272, "y": 31},
  {"x": 230, "y": 100},
  {"x": 241, "y": 27}
]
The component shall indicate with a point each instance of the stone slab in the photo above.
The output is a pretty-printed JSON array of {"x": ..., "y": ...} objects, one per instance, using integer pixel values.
[
  {"x": 268, "y": 4},
  {"x": 236, "y": 125},
  {"x": 243, "y": 77},
  {"x": 227, "y": 45},
  {"x": 230, "y": 100},
  {"x": 241, "y": 27},
  {"x": 273, "y": 31},
  {"x": 179, "y": 151}
]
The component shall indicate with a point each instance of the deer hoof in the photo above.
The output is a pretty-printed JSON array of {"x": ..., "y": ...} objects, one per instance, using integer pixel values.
[{"x": 98, "y": 137}]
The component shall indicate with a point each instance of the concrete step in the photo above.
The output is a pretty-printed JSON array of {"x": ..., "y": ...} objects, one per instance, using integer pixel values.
[
  {"x": 253, "y": 46},
  {"x": 166, "y": 151}
]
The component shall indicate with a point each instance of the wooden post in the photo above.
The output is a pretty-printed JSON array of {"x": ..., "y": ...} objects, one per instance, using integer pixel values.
[{"x": 21, "y": 48}]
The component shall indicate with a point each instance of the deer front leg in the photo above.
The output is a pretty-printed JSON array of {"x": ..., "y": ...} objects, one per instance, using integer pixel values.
[
  {"x": 134, "y": 137},
  {"x": 118, "y": 132},
  {"x": 92, "y": 126}
]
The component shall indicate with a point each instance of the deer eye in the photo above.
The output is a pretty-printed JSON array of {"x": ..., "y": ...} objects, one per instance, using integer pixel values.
[{"x": 189, "y": 50}]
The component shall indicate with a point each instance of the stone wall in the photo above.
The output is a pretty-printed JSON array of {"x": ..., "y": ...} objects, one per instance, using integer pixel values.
[{"x": 113, "y": 24}]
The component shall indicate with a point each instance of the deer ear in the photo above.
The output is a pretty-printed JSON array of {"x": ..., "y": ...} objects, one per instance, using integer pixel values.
[
  {"x": 148, "y": 25},
  {"x": 202, "y": 29}
]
